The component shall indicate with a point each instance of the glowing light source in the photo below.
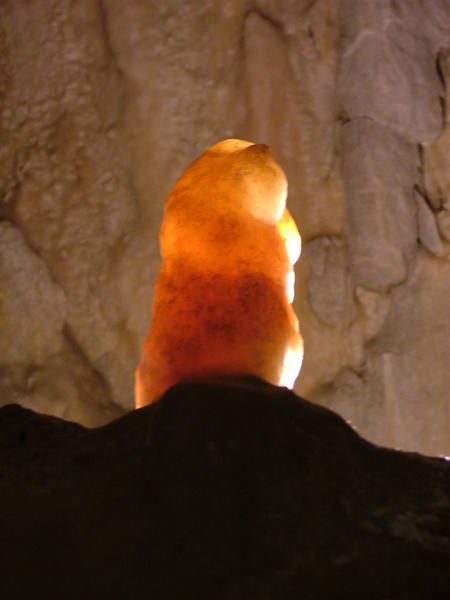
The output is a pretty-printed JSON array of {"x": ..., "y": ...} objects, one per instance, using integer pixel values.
[
  {"x": 223, "y": 297},
  {"x": 289, "y": 232}
]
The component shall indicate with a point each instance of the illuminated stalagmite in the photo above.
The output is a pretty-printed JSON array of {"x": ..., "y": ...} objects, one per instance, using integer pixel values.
[{"x": 223, "y": 294}]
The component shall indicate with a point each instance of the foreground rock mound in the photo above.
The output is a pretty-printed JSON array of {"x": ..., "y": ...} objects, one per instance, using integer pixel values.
[{"x": 224, "y": 489}]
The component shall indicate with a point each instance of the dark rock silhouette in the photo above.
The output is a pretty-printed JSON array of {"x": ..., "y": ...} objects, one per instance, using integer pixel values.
[{"x": 223, "y": 489}]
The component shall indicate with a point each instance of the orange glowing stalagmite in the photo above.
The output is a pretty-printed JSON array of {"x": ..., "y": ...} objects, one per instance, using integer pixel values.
[{"x": 223, "y": 296}]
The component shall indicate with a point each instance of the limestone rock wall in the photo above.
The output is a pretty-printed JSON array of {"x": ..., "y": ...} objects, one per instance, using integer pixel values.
[{"x": 104, "y": 102}]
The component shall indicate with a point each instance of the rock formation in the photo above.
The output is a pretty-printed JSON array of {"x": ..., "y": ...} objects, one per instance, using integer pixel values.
[
  {"x": 226, "y": 489},
  {"x": 103, "y": 104},
  {"x": 222, "y": 301}
]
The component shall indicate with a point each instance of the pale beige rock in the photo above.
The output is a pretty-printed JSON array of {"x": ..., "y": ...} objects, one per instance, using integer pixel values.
[
  {"x": 399, "y": 396},
  {"x": 37, "y": 368},
  {"x": 380, "y": 170},
  {"x": 291, "y": 102},
  {"x": 425, "y": 19},
  {"x": 328, "y": 350},
  {"x": 409, "y": 361},
  {"x": 65, "y": 386},
  {"x": 349, "y": 395},
  {"x": 388, "y": 70},
  {"x": 32, "y": 306},
  {"x": 359, "y": 18},
  {"x": 330, "y": 287},
  {"x": 428, "y": 228},
  {"x": 436, "y": 162},
  {"x": 68, "y": 189},
  {"x": 443, "y": 222},
  {"x": 436, "y": 173},
  {"x": 374, "y": 310}
]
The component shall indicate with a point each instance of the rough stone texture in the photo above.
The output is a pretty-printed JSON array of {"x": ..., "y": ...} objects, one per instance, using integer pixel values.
[
  {"x": 41, "y": 333},
  {"x": 388, "y": 69},
  {"x": 65, "y": 183},
  {"x": 428, "y": 227},
  {"x": 231, "y": 489},
  {"x": 104, "y": 103},
  {"x": 412, "y": 338},
  {"x": 381, "y": 208},
  {"x": 330, "y": 286},
  {"x": 393, "y": 80}
]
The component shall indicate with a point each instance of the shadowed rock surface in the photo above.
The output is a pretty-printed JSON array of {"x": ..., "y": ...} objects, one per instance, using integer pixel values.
[{"x": 223, "y": 489}]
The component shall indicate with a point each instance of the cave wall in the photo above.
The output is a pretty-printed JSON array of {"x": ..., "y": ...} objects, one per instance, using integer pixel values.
[{"x": 104, "y": 102}]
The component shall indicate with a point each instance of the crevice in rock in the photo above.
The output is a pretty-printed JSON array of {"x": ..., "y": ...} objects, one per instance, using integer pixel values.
[
  {"x": 442, "y": 79},
  {"x": 267, "y": 18},
  {"x": 439, "y": 69},
  {"x": 106, "y": 35},
  {"x": 434, "y": 204}
]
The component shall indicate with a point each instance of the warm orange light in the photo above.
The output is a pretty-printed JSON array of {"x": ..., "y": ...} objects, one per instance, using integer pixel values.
[
  {"x": 289, "y": 232},
  {"x": 223, "y": 294}
]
